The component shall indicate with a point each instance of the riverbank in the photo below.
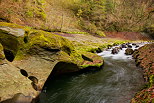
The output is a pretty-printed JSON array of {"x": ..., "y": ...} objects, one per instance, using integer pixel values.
[{"x": 144, "y": 58}]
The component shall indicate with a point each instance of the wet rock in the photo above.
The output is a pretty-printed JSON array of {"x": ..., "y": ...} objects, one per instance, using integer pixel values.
[
  {"x": 115, "y": 51},
  {"x": 129, "y": 51},
  {"x": 136, "y": 46},
  {"x": 129, "y": 46},
  {"x": 128, "y": 43},
  {"x": 120, "y": 47},
  {"x": 123, "y": 45},
  {"x": 98, "y": 50},
  {"x": 135, "y": 54},
  {"x": 109, "y": 46}
]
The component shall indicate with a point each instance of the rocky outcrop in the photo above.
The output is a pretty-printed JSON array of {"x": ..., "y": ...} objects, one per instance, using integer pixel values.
[
  {"x": 144, "y": 58},
  {"x": 31, "y": 55}
]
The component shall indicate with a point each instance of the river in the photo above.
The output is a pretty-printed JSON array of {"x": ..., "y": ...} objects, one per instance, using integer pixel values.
[{"x": 116, "y": 82}]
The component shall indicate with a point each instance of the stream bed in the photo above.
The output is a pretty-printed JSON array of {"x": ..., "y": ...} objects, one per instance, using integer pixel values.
[{"x": 116, "y": 82}]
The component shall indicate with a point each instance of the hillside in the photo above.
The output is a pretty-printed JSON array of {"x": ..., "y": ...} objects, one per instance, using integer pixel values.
[
  {"x": 93, "y": 16},
  {"x": 40, "y": 14}
]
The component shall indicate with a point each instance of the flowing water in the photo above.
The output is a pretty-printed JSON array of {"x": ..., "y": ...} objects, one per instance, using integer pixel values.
[{"x": 116, "y": 82}]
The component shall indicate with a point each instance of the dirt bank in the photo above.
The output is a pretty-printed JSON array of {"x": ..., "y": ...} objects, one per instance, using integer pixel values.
[{"x": 144, "y": 58}]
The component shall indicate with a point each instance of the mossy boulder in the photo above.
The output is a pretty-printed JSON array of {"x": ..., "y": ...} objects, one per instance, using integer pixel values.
[{"x": 38, "y": 53}]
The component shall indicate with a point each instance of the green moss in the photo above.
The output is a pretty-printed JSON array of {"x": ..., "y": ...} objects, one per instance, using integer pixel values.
[
  {"x": 151, "y": 81},
  {"x": 41, "y": 14},
  {"x": 35, "y": 9},
  {"x": 152, "y": 100},
  {"x": 10, "y": 25},
  {"x": 29, "y": 13},
  {"x": 40, "y": 2},
  {"x": 118, "y": 42},
  {"x": 6, "y": 40},
  {"x": 45, "y": 39},
  {"x": 100, "y": 33},
  {"x": 93, "y": 60},
  {"x": 1, "y": 53},
  {"x": 94, "y": 47}
]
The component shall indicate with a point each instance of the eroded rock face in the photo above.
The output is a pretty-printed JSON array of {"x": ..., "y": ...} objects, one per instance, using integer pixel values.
[
  {"x": 9, "y": 39},
  {"x": 12, "y": 31},
  {"x": 32, "y": 58}
]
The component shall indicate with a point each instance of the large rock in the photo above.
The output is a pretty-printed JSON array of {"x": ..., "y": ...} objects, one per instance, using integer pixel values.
[
  {"x": 129, "y": 51},
  {"x": 31, "y": 56},
  {"x": 115, "y": 50}
]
